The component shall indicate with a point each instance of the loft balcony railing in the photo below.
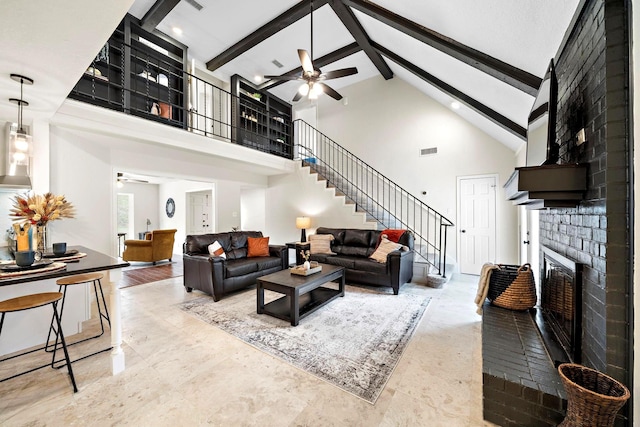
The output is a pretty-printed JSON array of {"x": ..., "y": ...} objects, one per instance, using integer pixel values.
[{"x": 383, "y": 201}]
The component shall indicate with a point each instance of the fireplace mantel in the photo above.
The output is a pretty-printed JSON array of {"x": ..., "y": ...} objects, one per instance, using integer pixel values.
[{"x": 547, "y": 186}]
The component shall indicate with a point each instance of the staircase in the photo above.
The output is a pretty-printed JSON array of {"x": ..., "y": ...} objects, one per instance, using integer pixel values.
[{"x": 380, "y": 199}]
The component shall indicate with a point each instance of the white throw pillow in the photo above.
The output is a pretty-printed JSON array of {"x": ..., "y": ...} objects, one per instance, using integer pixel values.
[
  {"x": 321, "y": 244},
  {"x": 215, "y": 249},
  {"x": 385, "y": 246}
]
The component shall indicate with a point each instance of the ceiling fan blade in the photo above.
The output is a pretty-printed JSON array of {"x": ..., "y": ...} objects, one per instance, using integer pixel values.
[
  {"x": 305, "y": 61},
  {"x": 339, "y": 73},
  {"x": 330, "y": 91},
  {"x": 297, "y": 97},
  {"x": 282, "y": 77}
]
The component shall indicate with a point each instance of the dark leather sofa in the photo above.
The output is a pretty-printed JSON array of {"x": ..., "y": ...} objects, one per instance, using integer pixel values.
[
  {"x": 353, "y": 248},
  {"x": 218, "y": 276}
]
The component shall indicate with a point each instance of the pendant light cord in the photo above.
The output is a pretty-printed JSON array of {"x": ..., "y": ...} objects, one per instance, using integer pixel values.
[{"x": 20, "y": 107}]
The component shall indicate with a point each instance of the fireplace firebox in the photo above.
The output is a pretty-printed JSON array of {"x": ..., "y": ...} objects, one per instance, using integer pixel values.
[{"x": 559, "y": 314}]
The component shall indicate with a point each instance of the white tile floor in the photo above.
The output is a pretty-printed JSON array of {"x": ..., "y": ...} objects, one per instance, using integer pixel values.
[{"x": 184, "y": 372}]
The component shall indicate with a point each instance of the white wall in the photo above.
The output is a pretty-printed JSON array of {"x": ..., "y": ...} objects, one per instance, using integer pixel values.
[
  {"x": 386, "y": 123},
  {"x": 145, "y": 206},
  {"x": 228, "y": 206},
  {"x": 301, "y": 194},
  {"x": 253, "y": 209},
  {"x": 178, "y": 190}
]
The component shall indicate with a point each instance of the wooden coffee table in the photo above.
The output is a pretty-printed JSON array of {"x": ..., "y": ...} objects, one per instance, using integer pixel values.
[{"x": 302, "y": 294}]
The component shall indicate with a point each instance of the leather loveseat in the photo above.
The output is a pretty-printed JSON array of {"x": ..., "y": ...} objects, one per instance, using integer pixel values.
[
  {"x": 352, "y": 248},
  {"x": 218, "y": 276}
]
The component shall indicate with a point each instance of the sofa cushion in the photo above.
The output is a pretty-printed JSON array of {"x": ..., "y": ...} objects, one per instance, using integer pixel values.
[
  {"x": 370, "y": 266},
  {"x": 265, "y": 263},
  {"x": 321, "y": 244},
  {"x": 215, "y": 249},
  {"x": 240, "y": 267},
  {"x": 354, "y": 251},
  {"x": 359, "y": 238},
  {"x": 342, "y": 261},
  {"x": 384, "y": 248},
  {"x": 257, "y": 246},
  {"x": 337, "y": 233},
  {"x": 319, "y": 257}
]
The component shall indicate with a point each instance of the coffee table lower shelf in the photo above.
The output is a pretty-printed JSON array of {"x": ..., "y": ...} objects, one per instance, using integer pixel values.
[{"x": 310, "y": 302}]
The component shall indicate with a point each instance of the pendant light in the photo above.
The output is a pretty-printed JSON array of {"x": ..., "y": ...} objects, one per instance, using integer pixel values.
[{"x": 20, "y": 143}]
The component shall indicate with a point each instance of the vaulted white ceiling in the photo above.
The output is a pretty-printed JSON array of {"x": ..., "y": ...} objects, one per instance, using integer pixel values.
[{"x": 53, "y": 42}]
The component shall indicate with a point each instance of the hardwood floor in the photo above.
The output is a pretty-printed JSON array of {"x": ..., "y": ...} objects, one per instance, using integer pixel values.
[{"x": 141, "y": 273}]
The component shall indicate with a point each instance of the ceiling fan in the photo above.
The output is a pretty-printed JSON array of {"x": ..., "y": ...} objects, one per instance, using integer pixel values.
[{"x": 313, "y": 78}]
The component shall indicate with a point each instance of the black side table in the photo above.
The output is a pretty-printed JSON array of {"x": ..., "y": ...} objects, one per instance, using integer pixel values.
[{"x": 298, "y": 246}]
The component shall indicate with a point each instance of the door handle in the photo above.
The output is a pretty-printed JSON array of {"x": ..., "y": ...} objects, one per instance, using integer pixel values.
[
  {"x": 463, "y": 231},
  {"x": 526, "y": 242}
]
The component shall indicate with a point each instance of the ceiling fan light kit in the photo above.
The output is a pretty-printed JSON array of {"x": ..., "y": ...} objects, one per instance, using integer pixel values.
[{"x": 313, "y": 77}]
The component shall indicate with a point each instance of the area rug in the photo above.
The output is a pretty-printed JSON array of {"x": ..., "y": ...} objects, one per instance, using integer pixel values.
[{"x": 354, "y": 342}]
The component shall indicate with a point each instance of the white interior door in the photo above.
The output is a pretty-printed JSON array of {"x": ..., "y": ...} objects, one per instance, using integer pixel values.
[
  {"x": 476, "y": 223},
  {"x": 200, "y": 216}
]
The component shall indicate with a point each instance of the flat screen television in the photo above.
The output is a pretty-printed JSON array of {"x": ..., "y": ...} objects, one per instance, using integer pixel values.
[{"x": 542, "y": 148}]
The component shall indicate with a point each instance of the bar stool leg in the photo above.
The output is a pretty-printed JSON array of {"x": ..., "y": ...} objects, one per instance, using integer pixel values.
[
  {"x": 60, "y": 334},
  {"x": 47, "y": 347},
  {"x": 104, "y": 303}
]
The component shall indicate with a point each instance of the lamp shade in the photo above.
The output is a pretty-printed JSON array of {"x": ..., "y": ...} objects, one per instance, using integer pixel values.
[{"x": 303, "y": 222}]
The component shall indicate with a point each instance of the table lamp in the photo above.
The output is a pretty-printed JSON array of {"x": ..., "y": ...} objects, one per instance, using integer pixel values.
[{"x": 303, "y": 222}]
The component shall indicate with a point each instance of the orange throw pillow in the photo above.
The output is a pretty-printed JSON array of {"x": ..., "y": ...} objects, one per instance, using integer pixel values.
[{"x": 257, "y": 246}]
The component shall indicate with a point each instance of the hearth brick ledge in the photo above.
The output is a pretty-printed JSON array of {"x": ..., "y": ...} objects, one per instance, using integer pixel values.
[{"x": 520, "y": 385}]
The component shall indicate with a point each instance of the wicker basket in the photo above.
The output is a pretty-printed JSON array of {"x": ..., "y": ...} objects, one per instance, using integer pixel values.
[
  {"x": 593, "y": 398},
  {"x": 512, "y": 287}
]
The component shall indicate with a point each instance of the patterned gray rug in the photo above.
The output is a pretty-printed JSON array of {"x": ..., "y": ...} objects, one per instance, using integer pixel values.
[{"x": 353, "y": 342}]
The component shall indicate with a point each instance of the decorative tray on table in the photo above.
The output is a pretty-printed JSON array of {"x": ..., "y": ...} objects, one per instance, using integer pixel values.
[
  {"x": 14, "y": 267},
  {"x": 301, "y": 271}
]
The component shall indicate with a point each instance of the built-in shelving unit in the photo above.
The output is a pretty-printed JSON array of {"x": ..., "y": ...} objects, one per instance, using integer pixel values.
[
  {"x": 259, "y": 119},
  {"x": 103, "y": 81},
  {"x": 547, "y": 186},
  {"x": 140, "y": 73}
]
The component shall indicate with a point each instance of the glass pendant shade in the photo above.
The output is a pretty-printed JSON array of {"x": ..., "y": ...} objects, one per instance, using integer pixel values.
[{"x": 20, "y": 146}]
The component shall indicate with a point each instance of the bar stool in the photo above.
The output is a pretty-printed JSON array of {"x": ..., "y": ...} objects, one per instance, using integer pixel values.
[
  {"x": 79, "y": 279},
  {"x": 28, "y": 302}
]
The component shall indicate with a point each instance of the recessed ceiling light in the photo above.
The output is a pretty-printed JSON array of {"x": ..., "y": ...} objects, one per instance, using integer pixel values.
[
  {"x": 177, "y": 31},
  {"x": 257, "y": 78},
  {"x": 455, "y": 105}
]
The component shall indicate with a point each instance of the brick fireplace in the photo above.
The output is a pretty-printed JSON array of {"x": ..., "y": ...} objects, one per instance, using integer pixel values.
[{"x": 592, "y": 68}]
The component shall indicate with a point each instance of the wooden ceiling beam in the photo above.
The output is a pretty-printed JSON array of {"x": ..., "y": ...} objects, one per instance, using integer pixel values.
[
  {"x": 349, "y": 20},
  {"x": 465, "y": 99},
  {"x": 279, "y": 23},
  {"x": 502, "y": 71},
  {"x": 156, "y": 13},
  {"x": 327, "y": 59}
]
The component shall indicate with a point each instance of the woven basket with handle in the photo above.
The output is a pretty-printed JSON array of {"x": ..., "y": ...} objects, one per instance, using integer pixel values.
[{"x": 512, "y": 287}]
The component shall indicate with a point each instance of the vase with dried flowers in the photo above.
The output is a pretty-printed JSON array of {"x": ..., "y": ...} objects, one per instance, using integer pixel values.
[
  {"x": 305, "y": 256},
  {"x": 38, "y": 210}
]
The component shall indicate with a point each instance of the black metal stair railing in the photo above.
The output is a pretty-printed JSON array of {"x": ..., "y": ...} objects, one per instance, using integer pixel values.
[{"x": 381, "y": 199}]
